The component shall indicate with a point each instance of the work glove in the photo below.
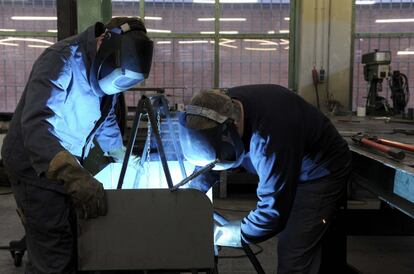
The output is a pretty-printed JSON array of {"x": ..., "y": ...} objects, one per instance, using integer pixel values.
[
  {"x": 228, "y": 234},
  {"x": 87, "y": 193},
  {"x": 118, "y": 156}
]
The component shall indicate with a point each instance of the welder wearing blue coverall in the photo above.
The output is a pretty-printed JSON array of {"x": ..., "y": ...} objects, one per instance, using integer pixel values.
[
  {"x": 68, "y": 101},
  {"x": 301, "y": 160}
]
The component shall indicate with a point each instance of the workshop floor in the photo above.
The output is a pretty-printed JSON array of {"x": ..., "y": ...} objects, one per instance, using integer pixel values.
[{"x": 368, "y": 254}]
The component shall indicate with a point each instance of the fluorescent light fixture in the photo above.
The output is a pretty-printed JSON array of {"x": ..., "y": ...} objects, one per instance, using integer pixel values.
[
  {"x": 396, "y": 20},
  {"x": 240, "y": 1},
  {"x": 9, "y": 44},
  {"x": 226, "y": 1},
  {"x": 221, "y": 32},
  {"x": 261, "y": 41},
  {"x": 26, "y": 40},
  {"x": 233, "y": 19},
  {"x": 34, "y": 18},
  {"x": 7, "y": 29},
  {"x": 37, "y": 46},
  {"x": 129, "y": 16},
  {"x": 287, "y": 18},
  {"x": 284, "y": 31},
  {"x": 163, "y": 42},
  {"x": 253, "y": 40},
  {"x": 193, "y": 42},
  {"x": 228, "y": 46},
  {"x": 271, "y": 32},
  {"x": 224, "y": 43},
  {"x": 203, "y": 1},
  {"x": 261, "y": 49},
  {"x": 155, "y": 18},
  {"x": 365, "y": 2},
  {"x": 222, "y": 19},
  {"x": 52, "y": 30},
  {"x": 229, "y": 32},
  {"x": 159, "y": 30},
  {"x": 284, "y": 42},
  {"x": 405, "y": 52},
  {"x": 286, "y": 47},
  {"x": 269, "y": 43}
]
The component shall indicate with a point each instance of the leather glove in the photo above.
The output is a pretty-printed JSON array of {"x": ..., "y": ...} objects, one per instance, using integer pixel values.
[
  {"x": 118, "y": 156},
  {"x": 228, "y": 234},
  {"x": 87, "y": 193}
]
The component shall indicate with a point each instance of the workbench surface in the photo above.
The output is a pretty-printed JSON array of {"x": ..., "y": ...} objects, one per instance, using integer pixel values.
[
  {"x": 349, "y": 126},
  {"x": 390, "y": 179}
]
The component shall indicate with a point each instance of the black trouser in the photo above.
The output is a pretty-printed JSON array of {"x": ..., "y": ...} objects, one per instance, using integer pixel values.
[
  {"x": 49, "y": 223},
  {"x": 314, "y": 208}
]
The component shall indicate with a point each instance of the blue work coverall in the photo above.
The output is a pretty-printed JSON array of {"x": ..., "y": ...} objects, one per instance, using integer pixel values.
[
  {"x": 303, "y": 166},
  {"x": 58, "y": 111}
]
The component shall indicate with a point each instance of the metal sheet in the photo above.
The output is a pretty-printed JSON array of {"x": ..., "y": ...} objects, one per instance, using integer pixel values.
[
  {"x": 149, "y": 229},
  {"x": 404, "y": 185}
]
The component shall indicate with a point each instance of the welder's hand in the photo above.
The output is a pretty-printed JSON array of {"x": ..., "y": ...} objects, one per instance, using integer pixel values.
[
  {"x": 88, "y": 196},
  {"x": 87, "y": 193},
  {"x": 228, "y": 234},
  {"x": 118, "y": 156}
]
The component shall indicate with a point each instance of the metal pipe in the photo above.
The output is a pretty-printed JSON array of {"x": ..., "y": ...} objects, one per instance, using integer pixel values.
[
  {"x": 180, "y": 159},
  {"x": 131, "y": 143},
  {"x": 160, "y": 147},
  {"x": 396, "y": 144},
  {"x": 364, "y": 140},
  {"x": 205, "y": 169},
  {"x": 253, "y": 259}
]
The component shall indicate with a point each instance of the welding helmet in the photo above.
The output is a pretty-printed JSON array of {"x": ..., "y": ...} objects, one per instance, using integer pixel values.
[
  {"x": 123, "y": 59},
  {"x": 203, "y": 146}
]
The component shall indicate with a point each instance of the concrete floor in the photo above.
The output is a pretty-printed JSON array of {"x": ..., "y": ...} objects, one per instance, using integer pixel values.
[{"x": 368, "y": 254}]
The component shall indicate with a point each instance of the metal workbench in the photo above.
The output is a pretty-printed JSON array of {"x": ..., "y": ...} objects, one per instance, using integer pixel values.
[{"x": 391, "y": 180}]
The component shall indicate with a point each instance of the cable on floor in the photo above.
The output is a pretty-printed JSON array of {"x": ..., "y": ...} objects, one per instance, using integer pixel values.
[{"x": 260, "y": 250}]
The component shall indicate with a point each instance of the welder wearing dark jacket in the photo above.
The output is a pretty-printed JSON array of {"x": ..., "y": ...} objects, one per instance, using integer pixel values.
[
  {"x": 68, "y": 101},
  {"x": 300, "y": 158}
]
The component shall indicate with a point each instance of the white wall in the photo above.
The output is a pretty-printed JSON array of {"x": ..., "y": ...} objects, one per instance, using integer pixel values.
[{"x": 331, "y": 28}]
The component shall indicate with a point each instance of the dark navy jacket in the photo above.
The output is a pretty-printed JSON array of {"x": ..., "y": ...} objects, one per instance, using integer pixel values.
[
  {"x": 288, "y": 142},
  {"x": 58, "y": 111}
]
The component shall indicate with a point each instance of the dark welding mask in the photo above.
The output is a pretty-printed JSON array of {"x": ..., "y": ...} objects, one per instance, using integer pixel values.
[
  {"x": 203, "y": 146},
  {"x": 123, "y": 59}
]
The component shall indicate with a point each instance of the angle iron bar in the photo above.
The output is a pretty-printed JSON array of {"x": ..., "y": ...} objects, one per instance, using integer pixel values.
[
  {"x": 150, "y": 111},
  {"x": 131, "y": 142}
]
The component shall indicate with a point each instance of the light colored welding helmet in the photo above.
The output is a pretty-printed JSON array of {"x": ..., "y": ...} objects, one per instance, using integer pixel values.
[{"x": 203, "y": 146}]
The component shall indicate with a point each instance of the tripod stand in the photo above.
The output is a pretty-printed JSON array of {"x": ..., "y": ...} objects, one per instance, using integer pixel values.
[{"x": 160, "y": 102}]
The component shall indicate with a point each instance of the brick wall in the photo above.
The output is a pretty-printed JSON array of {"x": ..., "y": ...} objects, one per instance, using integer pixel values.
[{"x": 187, "y": 68}]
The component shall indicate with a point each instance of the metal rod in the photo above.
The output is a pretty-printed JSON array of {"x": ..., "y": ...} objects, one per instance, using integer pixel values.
[
  {"x": 253, "y": 259},
  {"x": 203, "y": 170},
  {"x": 220, "y": 219},
  {"x": 174, "y": 140},
  {"x": 161, "y": 152},
  {"x": 131, "y": 142},
  {"x": 396, "y": 144}
]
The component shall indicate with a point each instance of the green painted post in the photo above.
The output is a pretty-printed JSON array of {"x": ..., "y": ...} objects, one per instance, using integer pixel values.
[
  {"x": 91, "y": 11},
  {"x": 216, "y": 44},
  {"x": 294, "y": 44}
]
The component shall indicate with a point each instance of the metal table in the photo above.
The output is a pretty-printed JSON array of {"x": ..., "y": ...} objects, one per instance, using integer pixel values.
[{"x": 391, "y": 180}]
